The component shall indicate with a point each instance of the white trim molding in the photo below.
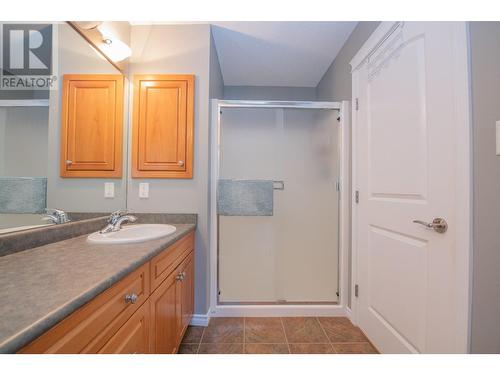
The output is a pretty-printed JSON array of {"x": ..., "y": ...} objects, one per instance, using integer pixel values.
[
  {"x": 376, "y": 39},
  {"x": 200, "y": 320},
  {"x": 24, "y": 103}
]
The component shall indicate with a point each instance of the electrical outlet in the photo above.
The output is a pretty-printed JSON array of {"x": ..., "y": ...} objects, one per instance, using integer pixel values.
[
  {"x": 109, "y": 190},
  {"x": 144, "y": 190}
]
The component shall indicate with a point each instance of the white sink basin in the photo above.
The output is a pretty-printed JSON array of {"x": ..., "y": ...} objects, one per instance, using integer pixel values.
[{"x": 132, "y": 234}]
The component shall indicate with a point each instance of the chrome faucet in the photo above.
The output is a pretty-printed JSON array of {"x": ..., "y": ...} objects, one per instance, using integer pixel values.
[
  {"x": 56, "y": 216},
  {"x": 115, "y": 221}
]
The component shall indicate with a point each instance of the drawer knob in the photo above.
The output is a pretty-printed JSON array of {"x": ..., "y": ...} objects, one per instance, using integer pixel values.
[{"x": 131, "y": 298}]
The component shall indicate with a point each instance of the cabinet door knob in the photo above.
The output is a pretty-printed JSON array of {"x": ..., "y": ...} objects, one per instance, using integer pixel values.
[
  {"x": 131, "y": 298},
  {"x": 180, "y": 162},
  {"x": 69, "y": 162},
  {"x": 180, "y": 276}
]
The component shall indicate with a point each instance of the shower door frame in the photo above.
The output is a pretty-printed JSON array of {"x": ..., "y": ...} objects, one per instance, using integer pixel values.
[{"x": 290, "y": 309}]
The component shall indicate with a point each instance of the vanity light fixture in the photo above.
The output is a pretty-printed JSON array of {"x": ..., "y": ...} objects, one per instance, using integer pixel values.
[{"x": 113, "y": 47}]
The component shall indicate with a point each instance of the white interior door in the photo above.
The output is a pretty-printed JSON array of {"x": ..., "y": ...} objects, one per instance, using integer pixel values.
[{"x": 410, "y": 80}]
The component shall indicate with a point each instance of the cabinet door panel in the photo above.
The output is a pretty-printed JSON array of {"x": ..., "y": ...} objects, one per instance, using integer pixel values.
[
  {"x": 90, "y": 327},
  {"x": 91, "y": 126},
  {"x": 162, "y": 140},
  {"x": 163, "y": 339},
  {"x": 187, "y": 306},
  {"x": 133, "y": 336},
  {"x": 184, "y": 295}
]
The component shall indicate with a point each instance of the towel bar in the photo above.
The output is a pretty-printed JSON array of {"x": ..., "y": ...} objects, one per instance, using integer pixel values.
[{"x": 279, "y": 185}]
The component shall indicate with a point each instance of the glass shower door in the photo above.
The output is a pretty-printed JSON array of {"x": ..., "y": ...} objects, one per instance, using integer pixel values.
[{"x": 291, "y": 256}]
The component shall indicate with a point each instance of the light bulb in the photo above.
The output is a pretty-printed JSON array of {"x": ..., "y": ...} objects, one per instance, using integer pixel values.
[{"x": 113, "y": 47}]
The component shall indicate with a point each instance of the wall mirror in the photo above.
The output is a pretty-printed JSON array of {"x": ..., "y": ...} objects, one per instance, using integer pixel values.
[{"x": 45, "y": 161}]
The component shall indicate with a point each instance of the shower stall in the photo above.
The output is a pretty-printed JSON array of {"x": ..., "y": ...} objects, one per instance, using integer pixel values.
[{"x": 278, "y": 226}]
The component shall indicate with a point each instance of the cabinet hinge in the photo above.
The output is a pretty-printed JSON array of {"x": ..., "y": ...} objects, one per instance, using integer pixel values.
[
  {"x": 356, "y": 290},
  {"x": 356, "y": 104},
  {"x": 356, "y": 196}
]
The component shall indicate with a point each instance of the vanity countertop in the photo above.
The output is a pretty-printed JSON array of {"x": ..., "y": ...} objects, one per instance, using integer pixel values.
[{"x": 41, "y": 286}]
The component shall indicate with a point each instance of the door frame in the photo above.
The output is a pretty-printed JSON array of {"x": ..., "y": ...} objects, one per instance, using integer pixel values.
[
  {"x": 340, "y": 309},
  {"x": 463, "y": 142}
]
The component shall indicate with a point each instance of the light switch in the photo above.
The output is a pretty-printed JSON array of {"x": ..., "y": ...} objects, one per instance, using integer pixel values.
[
  {"x": 144, "y": 190},
  {"x": 498, "y": 137},
  {"x": 109, "y": 190}
]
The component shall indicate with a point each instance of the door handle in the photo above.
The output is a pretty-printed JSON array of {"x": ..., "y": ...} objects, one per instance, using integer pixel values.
[{"x": 438, "y": 224}]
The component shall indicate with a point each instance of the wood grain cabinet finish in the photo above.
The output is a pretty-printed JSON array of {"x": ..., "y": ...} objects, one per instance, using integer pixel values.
[
  {"x": 163, "y": 307},
  {"x": 185, "y": 295},
  {"x": 92, "y": 126},
  {"x": 154, "y": 323},
  {"x": 163, "y": 126},
  {"x": 90, "y": 327},
  {"x": 132, "y": 337}
]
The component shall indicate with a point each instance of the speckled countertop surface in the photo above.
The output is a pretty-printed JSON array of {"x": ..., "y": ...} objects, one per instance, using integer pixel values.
[{"x": 41, "y": 286}]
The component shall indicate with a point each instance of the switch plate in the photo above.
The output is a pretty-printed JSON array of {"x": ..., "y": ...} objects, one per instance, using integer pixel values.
[
  {"x": 498, "y": 137},
  {"x": 144, "y": 190},
  {"x": 109, "y": 190}
]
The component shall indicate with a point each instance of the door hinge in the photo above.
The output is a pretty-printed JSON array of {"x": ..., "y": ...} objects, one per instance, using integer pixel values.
[
  {"x": 356, "y": 290},
  {"x": 356, "y": 196},
  {"x": 337, "y": 185},
  {"x": 356, "y": 104}
]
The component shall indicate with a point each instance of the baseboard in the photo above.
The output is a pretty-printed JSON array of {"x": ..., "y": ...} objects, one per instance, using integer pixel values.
[{"x": 200, "y": 320}]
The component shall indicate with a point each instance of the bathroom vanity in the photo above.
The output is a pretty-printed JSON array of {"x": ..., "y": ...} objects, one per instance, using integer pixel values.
[{"x": 74, "y": 296}]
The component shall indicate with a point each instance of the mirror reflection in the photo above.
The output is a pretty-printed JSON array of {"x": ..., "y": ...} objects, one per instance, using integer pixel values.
[{"x": 48, "y": 174}]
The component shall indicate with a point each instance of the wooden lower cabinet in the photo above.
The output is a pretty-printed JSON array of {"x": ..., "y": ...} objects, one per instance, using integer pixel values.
[
  {"x": 110, "y": 323},
  {"x": 133, "y": 336},
  {"x": 172, "y": 308},
  {"x": 163, "y": 313},
  {"x": 186, "y": 292}
]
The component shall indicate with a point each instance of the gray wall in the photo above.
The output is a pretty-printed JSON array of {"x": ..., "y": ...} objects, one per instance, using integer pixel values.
[
  {"x": 23, "y": 141},
  {"x": 336, "y": 83},
  {"x": 216, "y": 85},
  {"x": 179, "y": 49},
  {"x": 77, "y": 194},
  {"x": 485, "y": 71},
  {"x": 269, "y": 93}
]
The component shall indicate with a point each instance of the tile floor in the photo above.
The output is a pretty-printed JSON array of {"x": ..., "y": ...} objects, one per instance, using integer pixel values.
[{"x": 297, "y": 335}]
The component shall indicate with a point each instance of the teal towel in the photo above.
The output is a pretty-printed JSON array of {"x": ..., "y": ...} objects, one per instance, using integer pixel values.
[
  {"x": 245, "y": 198},
  {"x": 23, "y": 195}
]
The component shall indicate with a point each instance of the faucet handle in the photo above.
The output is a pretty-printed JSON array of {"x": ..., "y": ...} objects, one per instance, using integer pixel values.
[
  {"x": 116, "y": 215},
  {"x": 56, "y": 215}
]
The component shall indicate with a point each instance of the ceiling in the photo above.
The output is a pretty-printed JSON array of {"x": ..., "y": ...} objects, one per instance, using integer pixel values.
[{"x": 293, "y": 54}]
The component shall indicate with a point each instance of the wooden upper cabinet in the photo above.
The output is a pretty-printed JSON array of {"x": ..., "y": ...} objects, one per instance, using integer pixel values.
[
  {"x": 163, "y": 126},
  {"x": 92, "y": 126}
]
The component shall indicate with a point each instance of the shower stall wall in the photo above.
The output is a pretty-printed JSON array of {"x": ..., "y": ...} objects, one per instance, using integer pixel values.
[{"x": 277, "y": 204}]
